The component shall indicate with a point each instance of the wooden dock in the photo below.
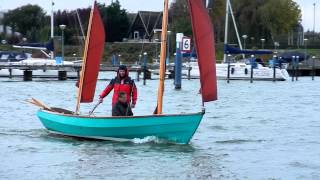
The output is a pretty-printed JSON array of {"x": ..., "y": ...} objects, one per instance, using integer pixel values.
[
  {"x": 62, "y": 70},
  {"x": 304, "y": 69}
]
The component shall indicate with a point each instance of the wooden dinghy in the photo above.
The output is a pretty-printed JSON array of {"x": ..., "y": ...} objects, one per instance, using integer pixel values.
[
  {"x": 174, "y": 128},
  {"x": 177, "y": 128}
]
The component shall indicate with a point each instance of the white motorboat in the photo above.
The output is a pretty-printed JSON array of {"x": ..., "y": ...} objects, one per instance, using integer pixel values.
[
  {"x": 11, "y": 58},
  {"x": 240, "y": 71}
]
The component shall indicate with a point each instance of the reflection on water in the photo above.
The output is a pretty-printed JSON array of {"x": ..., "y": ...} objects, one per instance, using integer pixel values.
[{"x": 262, "y": 130}]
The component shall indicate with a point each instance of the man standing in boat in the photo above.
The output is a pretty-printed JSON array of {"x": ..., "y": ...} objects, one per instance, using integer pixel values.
[{"x": 121, "y": 83}]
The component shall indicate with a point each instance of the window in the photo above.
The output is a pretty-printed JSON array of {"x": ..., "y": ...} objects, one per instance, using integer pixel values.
[{"x": 136, "y": 35}]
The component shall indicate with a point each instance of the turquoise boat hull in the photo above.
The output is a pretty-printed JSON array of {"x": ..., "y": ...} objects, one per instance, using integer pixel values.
[{"x": 174, "y": 128}]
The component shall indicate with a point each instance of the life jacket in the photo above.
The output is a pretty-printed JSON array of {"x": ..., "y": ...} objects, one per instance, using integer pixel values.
[{"x": 118, "y": 84}]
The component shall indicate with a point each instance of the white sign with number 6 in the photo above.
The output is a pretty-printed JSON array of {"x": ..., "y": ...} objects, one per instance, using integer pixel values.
[{"x": 186, "y": 44}]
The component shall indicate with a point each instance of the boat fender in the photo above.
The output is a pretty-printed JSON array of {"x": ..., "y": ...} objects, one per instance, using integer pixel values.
[
  {"x": 232, "y": 70},
  {"x": 246, "y": 71}
]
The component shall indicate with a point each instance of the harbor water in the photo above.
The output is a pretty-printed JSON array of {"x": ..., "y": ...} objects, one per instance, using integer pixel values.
[{"x": 262, "y": 130}]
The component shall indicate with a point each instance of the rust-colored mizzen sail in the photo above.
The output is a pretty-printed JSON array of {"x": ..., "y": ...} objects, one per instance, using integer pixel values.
[
  {"x": 93, "y": 52},
  {"x": 204, "y": 41}
]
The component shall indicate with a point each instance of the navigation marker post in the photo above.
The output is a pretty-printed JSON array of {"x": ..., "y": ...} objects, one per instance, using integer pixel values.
[{"x": 178, "y": 61}]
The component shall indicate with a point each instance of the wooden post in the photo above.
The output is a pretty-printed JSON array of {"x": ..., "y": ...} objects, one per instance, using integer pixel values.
[
  {"x": 274, "y": 67},
  {"x": 313, "y": 67},
  {"x": 144, "y": 76},
  {"x": 144, "y": 67},
  {"x": 228, "y": 73},
  {"x": 251, "y": 72},
  {"x": 292, "y": 68},
  {"x": 138, "y": 75},
  {"x": 10, "y": 73},
  {"x": 62, "y": 75},
  {"x": 297, "y": 67},
  {"x": 189, "y": 72},
  {"x": 27, "y": 75}
]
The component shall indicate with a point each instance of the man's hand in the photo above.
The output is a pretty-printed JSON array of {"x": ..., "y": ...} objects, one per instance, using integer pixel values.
[
  {"x": 133, "y": 105},
  {"x": 100, "y": 100}
]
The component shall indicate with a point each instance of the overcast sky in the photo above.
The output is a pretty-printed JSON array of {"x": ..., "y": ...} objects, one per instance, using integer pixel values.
[{"x": 153, "y": 5}]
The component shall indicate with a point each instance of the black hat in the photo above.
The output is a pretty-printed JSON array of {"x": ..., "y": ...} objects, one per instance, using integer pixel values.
[{"x": 122, "y": 67}]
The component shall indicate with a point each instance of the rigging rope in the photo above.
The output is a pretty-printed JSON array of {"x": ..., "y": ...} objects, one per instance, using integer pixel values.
[{"x": 148, "y": 23}]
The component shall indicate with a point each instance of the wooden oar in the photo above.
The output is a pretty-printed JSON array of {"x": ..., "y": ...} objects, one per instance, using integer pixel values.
[
  {"x": 94, "y": 108},
  {"x": 42, "y": 104},
  {"x": 39, "y": 104}
]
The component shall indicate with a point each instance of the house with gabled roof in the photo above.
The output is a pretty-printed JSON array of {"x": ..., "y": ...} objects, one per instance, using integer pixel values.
[{"x": 145, "y": 26}]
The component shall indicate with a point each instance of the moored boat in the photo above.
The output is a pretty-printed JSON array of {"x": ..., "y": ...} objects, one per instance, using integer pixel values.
[{"x": 241, "y": 71}]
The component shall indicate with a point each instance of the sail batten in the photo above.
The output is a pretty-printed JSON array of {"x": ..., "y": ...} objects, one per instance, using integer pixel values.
[
  {"x": 93, "y": 52},
  {"x": 204, "y": 42}
]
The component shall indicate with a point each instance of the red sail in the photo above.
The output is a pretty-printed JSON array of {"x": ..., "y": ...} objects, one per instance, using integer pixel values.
[
  {"x": 204, "y": 41},
  {"x": 92, "y": 56}
]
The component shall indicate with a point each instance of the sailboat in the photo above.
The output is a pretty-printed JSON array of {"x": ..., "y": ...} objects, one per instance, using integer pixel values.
[
  {"x": 177, "y": 128},
  {"x": 240, "y": 70}
]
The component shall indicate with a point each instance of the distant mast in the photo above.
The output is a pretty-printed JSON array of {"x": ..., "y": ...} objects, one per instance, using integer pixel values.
[
  {"x": 52, "y": 26},
  {"x": 226, "y": 28}
]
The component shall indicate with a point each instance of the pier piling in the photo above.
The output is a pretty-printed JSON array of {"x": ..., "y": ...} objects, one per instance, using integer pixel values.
[
  {"x": 178, "y": 69},
  {"x": 144, "y": 67},
  {"x": 251, "y": 72},
  {"x": 10, "y": 73},
  {"x": 27, "y": 75},
  {"x": 313, "y": 67},
  {"x": 62, "y": 75},
  {"x": 138, "y": 75},
  {"x": 228, "y": 73},
  {"x": 293, "y": 68},
  {"x": 274, "y": 67},
  {"x": 297, "y": 67},
  {"x": 189, "y": 73}
]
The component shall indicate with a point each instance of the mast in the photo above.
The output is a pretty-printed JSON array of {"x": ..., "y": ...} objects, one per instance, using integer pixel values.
[
  {"x": 226, "y": 28},
  {"x": 52, "y": 26},
  {"x": 235, "y": 26},
  {"x": 162, "y": 57},
  {"x": 230, "y": 11},
  {"x": 83, "y": 67},
  {"x": 80, "y": 24}
]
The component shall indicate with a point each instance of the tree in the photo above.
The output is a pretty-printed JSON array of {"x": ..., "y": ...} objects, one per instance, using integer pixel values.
[
  {"x": 115, "y": 20},
  {"x": 70, "y": 19},
  {"x": 258, "y": 19},
  {"x": 217, "y": 13},
  {"x": 180, "y": 17},
  {"x": 280, "y": 18},
  {"x": 26, "y": 19}
]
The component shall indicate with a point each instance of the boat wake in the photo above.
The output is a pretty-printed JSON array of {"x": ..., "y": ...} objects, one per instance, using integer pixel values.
[
  {"x": 33, "y": 133},
  {"x": 148, "y": 139}
]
